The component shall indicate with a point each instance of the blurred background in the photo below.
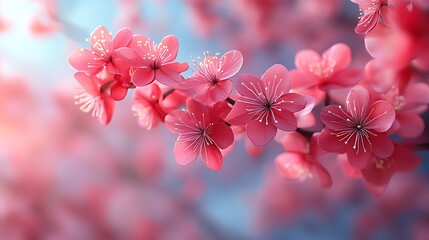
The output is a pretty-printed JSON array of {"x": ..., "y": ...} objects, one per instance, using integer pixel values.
[{"x": 64, "y": 176}]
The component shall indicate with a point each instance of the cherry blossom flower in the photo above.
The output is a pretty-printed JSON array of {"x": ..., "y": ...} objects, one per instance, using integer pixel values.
[
  {"x": 95, "y": 97},
  {"x": 372, "y": 10},
  {"x": 103, "y": 54},
  {"x": 300, "y": 161},
  {"x": 326, "y": 72},
  {"x": 211, "y": 81},
  {"x": 152, "y": 61},
  {"x": 202, "y": 130},
  {"x": 380, "y": 170},
  {"x": 359, "y": 129},
  {"x": 266, "y": 105},
  {"x": 147, "y": 106}
]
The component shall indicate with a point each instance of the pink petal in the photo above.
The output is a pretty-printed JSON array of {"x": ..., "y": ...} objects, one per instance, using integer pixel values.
[
  {"x": 252, "y": 149},
  {"x": 382, "y": 145},
  {"x": 377, "y": 176},
  {"x": 143, "y": 76},
  {"x": 101, "y": 42},
  {"x": 382, "y": 115},
  {"x": 367, "y": 23},
  {"x": 143, "y": 46},
  {"x": 260, "y": 133},
  {"x": 117, "y": 91},
  {"x": 231, "y": 64},
  {"x": 340, "y": 54},
  {"x": 197, "y": 111},
  {"x": 88, "y": 83},
  {"x": 277, "y": 78},
  {"x": 169, "y": 74},
  {"x": 328, "y": 141},
  {"x": 123, "y": 38},
  {"x": 184, "y": 152},
  {"x": 416, "y": 97},
  {"x": 295, "y": 142},
  {"x": 345, "y": 78},
  {"x": 172, "y": 46},
  {"x": 244, "y": 85},
  {"x": 322, "y": 175},
  {"x": 84, "y": 60},
  {"x": 292, "y": 166},
  {"x": 174, "y": 119},
  {"x": 125, "y": 58},
  {"x": 221, "y": 90},
  {"x": 286, "y": 121},
  {"x": 303, "y": 79},
  {"x": 212, "y": 157},
  {"x": 108, "y": 108},
  {"x": 239, "y": 115},
  {"x": 293, "y": 102},
  {"x": 306, "y": 59},
  {"x": 334, "y": 118},
  {"x": 411, "y": 125},
  {"x": 361, "y": 156},
  {"x": 404, "y": 158},
  {"x": 222, "y": 135},
  {"x": 357, "y": 101},
  {"x": 193, "y": 85}
]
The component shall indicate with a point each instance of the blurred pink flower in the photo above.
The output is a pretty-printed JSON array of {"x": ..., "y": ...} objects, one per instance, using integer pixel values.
[
  {"x": 211, "y": 81},
  {"x": 202, "y": 130},
  {"x": 300, "y": 161},
  {"x": 152, "y": 61},
  {"x": 372, "y": 10},
  {"x": 95, "y": 97},
  {"x": 380, "y": 170},
  {"x": 327, "y": 71},
  {"x": 360, "y": 129},
  {"x": 103, "y": 54},
  {"x": 147, "y": 106},
  {"x": 266, "y": 105}
]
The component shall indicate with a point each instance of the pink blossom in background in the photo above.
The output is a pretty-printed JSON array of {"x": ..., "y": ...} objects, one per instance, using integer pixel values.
[
  {"x": 201, "y": 130},
  {"x": 359, "y": 129},
  {"x": 211, "y": 81},
  {"x": 372, "y": 11},
  {"x": 266, "y": 105}
]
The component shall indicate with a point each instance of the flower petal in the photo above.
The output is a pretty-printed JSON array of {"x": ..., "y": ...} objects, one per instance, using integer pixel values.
[
  {"x": 122, "y": 38},
  {"x": 382, "y": 145},
  {"x": 171, "y": 44},
  {"x": 84, "y": 60},
  {"x": 340, "y": 54},
  {"x": 328, "y": 141},
  {"x": 174, "y": 121},
  {"x": 295, "y": 142},
  {"x": 293, "y": 166},
  {"x": 306, "y": 59},
  {"x": 367, "y": 23},
  {"x": 246, "y": 84},
  {"x": 260, "y": 133},
  {"x": 231, "y": 64},
  {"x": 101, "y": 42},
  {"x": 88, "y": 83},
  {"x": 360, "y": 156},
  {"x": 334, "y": 117},
  {"x": 143, "y": 76},
  {"x": 117, "y": 91},
  {"x": 170, "y": 74},
  {"x": 184, "y": 152},
  {"x": 222, "y": 135},
  {"x": 198, "y": 111},
  {"x": 292, "y": 102},
  {"x": 212, "y": 157},
  {"x": 276, "y": 79},
  {"x": 286, "y": 121},
  {"x": 381, "y": 116},
  {"x": 322, "y": 175},
  {"x": 108, "y": 107},
  {"x": 411, "y": 125},
  {"x": 221, "y": 90},
  {"x": 239, "y": 115},
  {"x": 357, "y": 101}
]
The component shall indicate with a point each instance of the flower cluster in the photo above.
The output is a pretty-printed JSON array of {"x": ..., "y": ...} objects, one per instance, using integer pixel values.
[{"x": 326, "y": 108}]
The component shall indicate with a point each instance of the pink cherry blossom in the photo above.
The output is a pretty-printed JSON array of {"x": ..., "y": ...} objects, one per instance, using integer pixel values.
[
  {"x": 372, "y": 10},
  {"x": 95, "y": 97},
  {"x": 202, "y": 130},
  {"x": 147, "y": 106},
  {"x": 211, "y": 81},
  {"x": 327, "y": 71},
  {"x": 266, "y": 105},
  {"x": 103, "y": 52},
  {"x": 152, "y": 61},
  {"x": 300, "y": 161},
  {"x": 380, "y": 170},
  {"x": 359, "y": 129}
]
